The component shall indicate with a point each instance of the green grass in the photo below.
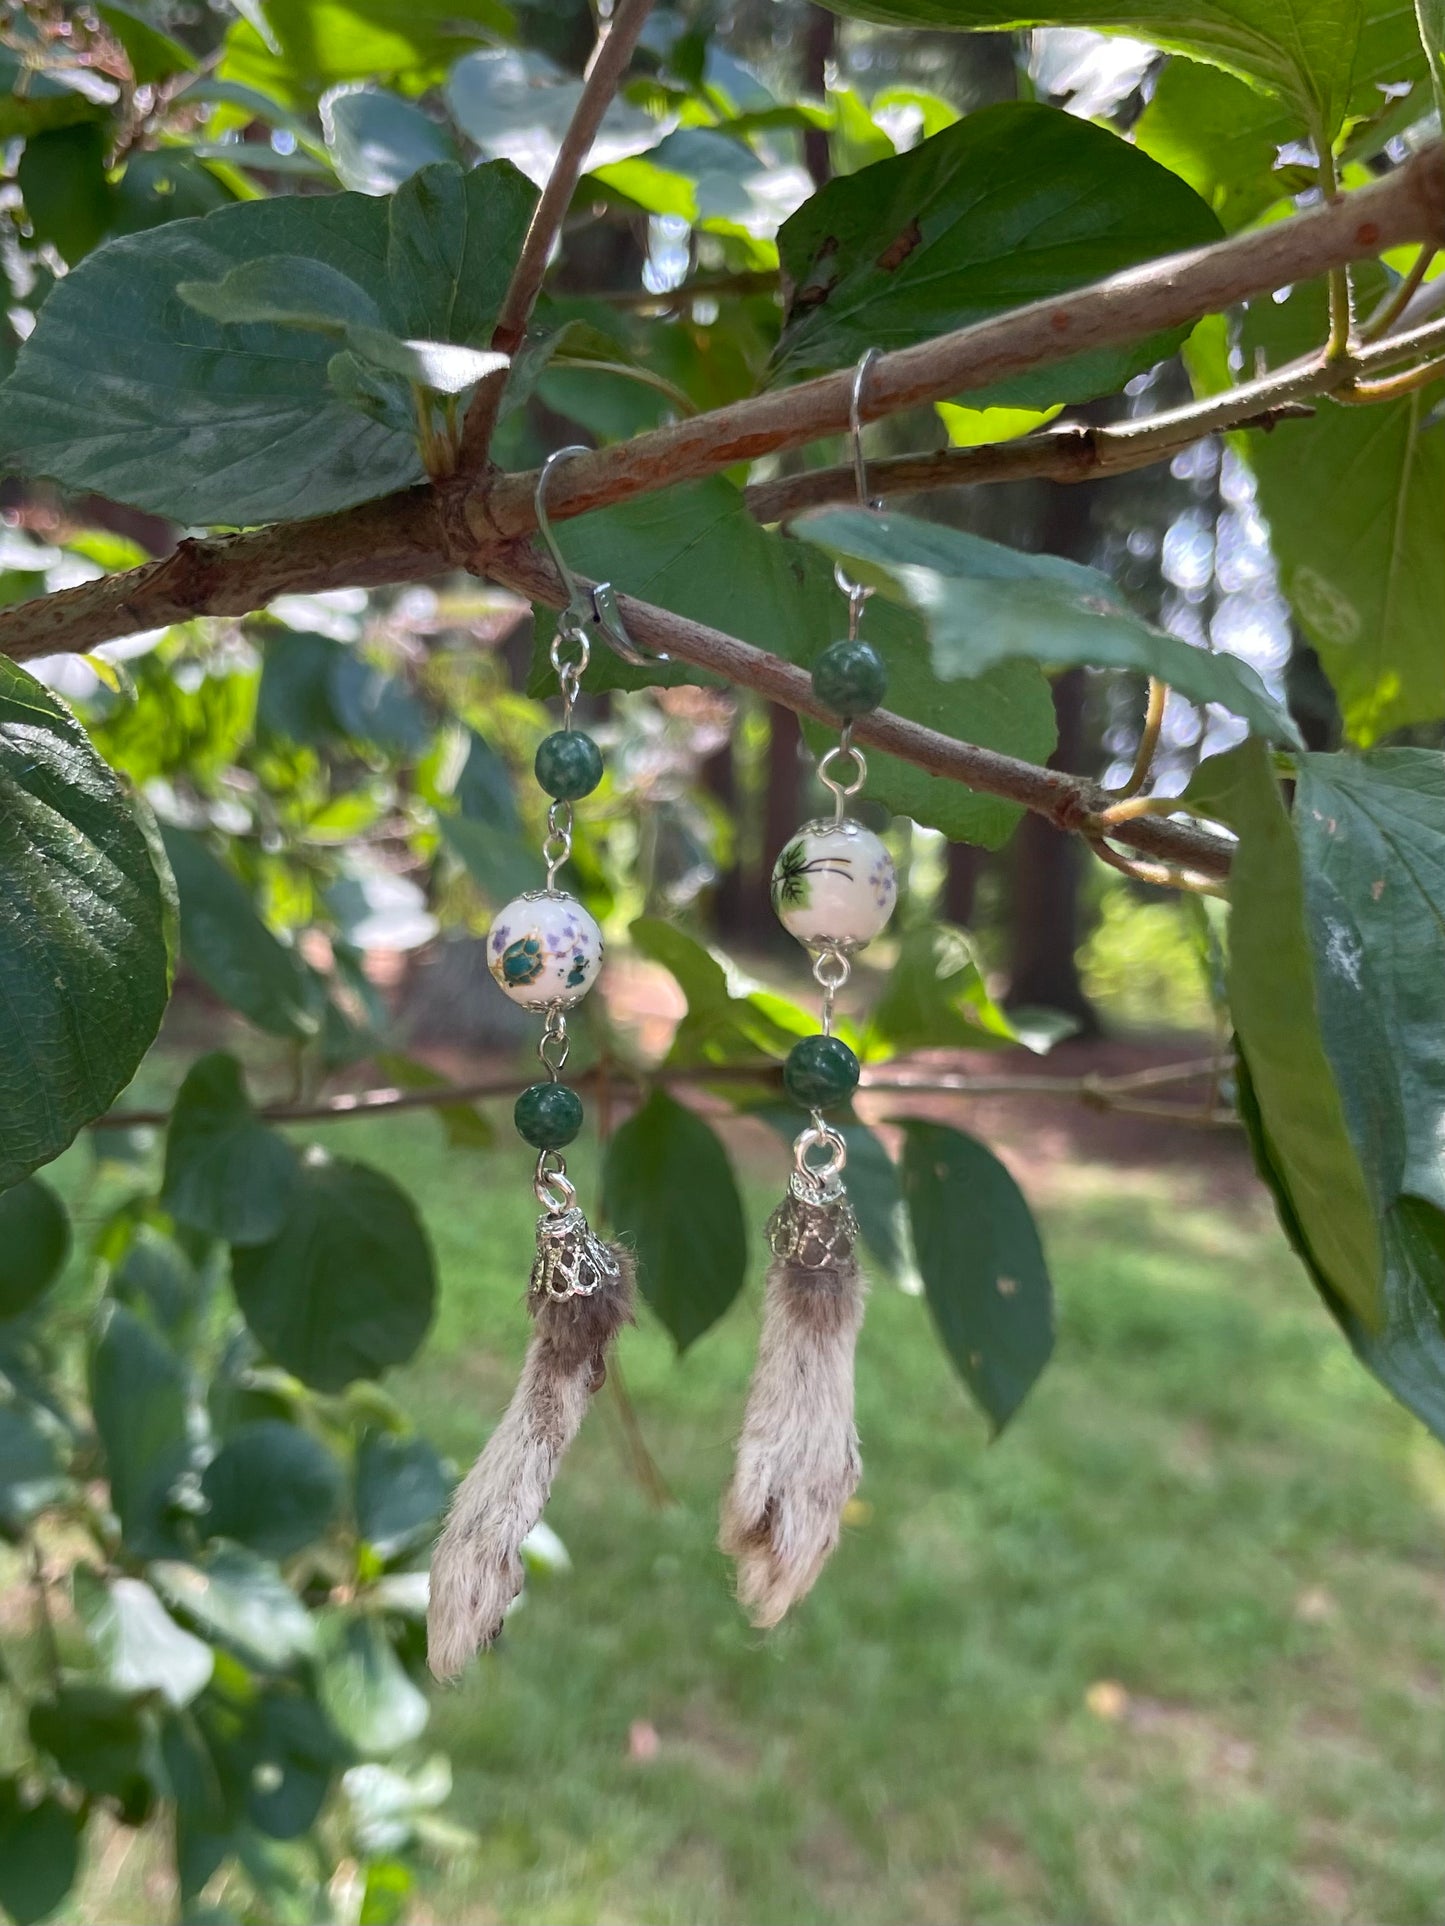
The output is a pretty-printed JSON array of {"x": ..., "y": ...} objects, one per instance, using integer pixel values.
[
  {"x": 1172, "y": 1650},
  {"x": 1205, "y": 1503}
]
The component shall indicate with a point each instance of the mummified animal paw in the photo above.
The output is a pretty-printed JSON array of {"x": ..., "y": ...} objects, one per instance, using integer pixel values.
[
  {"x": 797, "y": 1459},
  {"x": 476, "y": 1568}
]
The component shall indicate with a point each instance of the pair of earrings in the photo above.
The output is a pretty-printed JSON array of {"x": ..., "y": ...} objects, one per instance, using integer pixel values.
[{"x": 797, "y": 1465}]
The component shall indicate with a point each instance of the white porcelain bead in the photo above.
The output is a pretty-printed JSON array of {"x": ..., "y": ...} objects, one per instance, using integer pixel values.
[
  {"x": 544, "y": 949},
  {"x": 834, "y": 885}
]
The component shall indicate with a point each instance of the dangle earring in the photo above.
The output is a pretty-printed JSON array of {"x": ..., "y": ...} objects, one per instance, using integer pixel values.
[
  {"x": 545, "y": 952},
  {"x": 834, "y": 889}
]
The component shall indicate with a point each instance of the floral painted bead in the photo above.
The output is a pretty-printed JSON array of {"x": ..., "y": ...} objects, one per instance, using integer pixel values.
[
  {"x": 544, "y": 949},
  {"x": 834, "y": 885}
]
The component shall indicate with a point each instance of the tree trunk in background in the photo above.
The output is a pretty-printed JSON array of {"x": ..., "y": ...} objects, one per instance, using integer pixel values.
[
  {"x": 960, "y": 881},
  {"x": 1046, "y": 863},
  {"x": 818, "y": 44}
]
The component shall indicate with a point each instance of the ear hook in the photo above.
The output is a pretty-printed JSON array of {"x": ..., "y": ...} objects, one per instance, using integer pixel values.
[
  {"x": 856, "y": 593},
  {"x": 588, "y": 605},
  {"x": 855, "y": 426}
]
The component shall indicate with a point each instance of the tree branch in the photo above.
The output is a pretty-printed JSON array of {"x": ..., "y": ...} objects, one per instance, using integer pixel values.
[
  {"x": 616, "y": 41},
  {"x": 1407, "y": 205},
  {"x": 1100, "y": 1092},
  {"x": 1069, "y": 802}
]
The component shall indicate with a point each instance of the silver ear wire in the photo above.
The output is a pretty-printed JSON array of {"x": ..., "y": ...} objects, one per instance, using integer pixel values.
[
  {"x": 856, "y": 593},
  {"x": 591, "y": 605}
]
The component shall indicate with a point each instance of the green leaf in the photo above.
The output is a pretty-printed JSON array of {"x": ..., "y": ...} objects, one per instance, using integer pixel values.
[
  {"x": 86, "y": 922},
  {"x": 286, "y": 288},
  {"x": 154, "y": 1276},
  {"x": 982, "y": 1265},
  {"x": 517, "y": 105},
  {"x": 290, "y": 1757},
  {"x": 1014, "y": 203},
  {"x": 935, "y": 996},
  {"x": 32, "y": 1476},
  {"x": 140, "y": 1646},
  {"x": 669, "y": 1188},
  {"x": 348, "y": 1286},
  {"x": 726, "y": 1022},
  {"x": 39, "y": 1854},
  {"x": 1357, "y": 543},
  {"x": 138, "y": 1398},
  {"x": 1274, "y": 1000},
  {"x": 363, "y": 1688},
  {"x": 228, "y": 1174},
  {"x": 696, "y": 550},
  {"x": 402, "y": 1488},
  {"x": 34, "y": 1244},
  {"x": 153, "y": 55},
  {"x": 983, "y": 604},
  {"x": 272, "y": 1486},
  {"x": 293, "y": 292},
  {"x": 98, "y": 1738},
  {"x": 242, "y": 1599},
  {"x": 230, "y": 948},
  {"x": 501, "y": 865},
  {"x": 61, "y": 176},
  {"x": 1304, "y": 54},
  {"x": 309, "y": 45},
  {"x": 125, "y": 388},
  {"x": 377, "y": 140}
]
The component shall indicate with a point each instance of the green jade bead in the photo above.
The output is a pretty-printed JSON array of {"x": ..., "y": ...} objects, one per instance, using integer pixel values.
[
  {"x": 568, "y": 765},
  {"x": 849, "y": 679},
  {"x": 547, "y": 1115},
  {"x": 820, "y": 1072}
]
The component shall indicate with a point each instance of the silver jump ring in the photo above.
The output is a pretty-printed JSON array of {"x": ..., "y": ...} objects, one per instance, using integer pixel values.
[
  {"x": 820, "y": 1136},
  {"x": 554, "y": 1044},
  {"x": 550, "y": 1184},
  {"x": 842, "y": 791}
]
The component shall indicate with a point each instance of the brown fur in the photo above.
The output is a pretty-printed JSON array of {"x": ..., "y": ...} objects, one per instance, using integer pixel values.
[
  {"x": 797, "y": 1459},
  {"x": 476, "y": 1568}
]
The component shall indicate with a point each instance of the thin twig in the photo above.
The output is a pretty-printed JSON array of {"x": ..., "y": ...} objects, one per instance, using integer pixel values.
[
  {"x": 616, "y": 41},
  {"x": 1148, "y": 743},
  {"x": 1069, "y": 802},
  {"x": 1159, "y": 875},
  {"x": 1395, "y": 303},
  {"x": 387, "y": 1098},
  {"x": 1392, "y": 387}
]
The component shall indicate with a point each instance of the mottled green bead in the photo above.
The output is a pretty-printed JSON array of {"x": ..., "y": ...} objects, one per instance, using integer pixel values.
[
  {"x": 568, "y": 765},
  {"x": 820, "y": 1072},
  {"x": 849, "y": 679},
  {"x": 548, "y": 1115}
]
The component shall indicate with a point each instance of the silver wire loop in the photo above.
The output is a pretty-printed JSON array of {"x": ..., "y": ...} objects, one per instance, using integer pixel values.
[
  {"x": 840, "y": 790},
  {"x": 589, "y": 605},
  {"x": 557, "y": 843},
  {"x": 551, "y": 1185},
  {"x": 831, "y": 970},
  {"x": 857, "y": 592},
  {"x": 824, "y": 1177},
  {"x": 554, "y": 1043}
]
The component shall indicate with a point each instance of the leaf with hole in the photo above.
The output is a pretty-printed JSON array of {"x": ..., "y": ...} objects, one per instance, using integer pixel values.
[
  {"x": 347, "y": 1287},
  {"x": 982, "y": 1264},
  {"x": 669, "y": 1188},
  {"x": 1014, "y": 203}
]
